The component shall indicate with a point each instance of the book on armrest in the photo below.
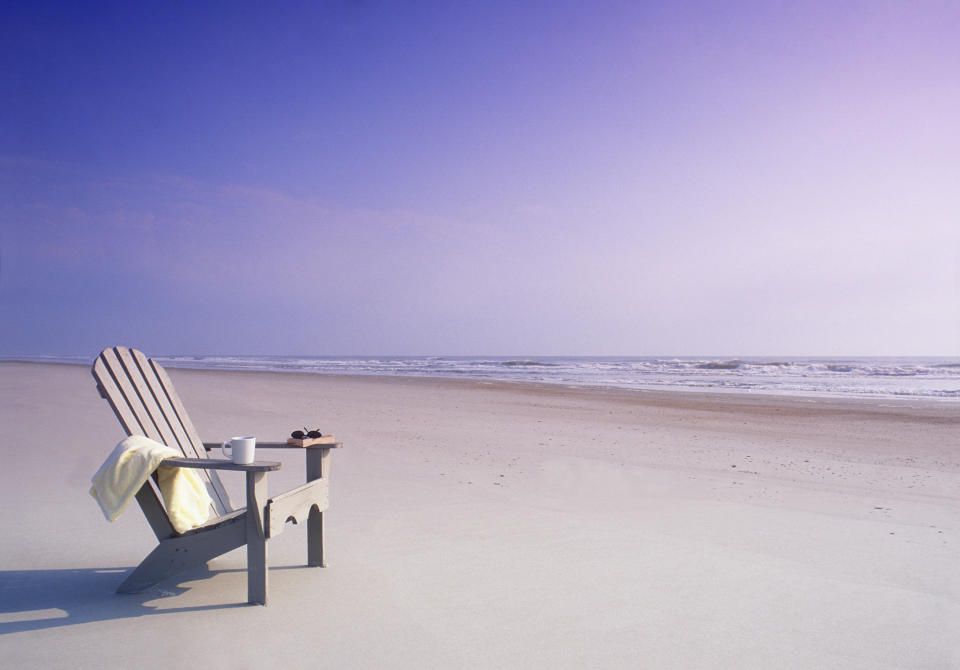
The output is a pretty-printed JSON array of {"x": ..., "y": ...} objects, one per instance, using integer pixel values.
[{"x": 310, "y": 441}]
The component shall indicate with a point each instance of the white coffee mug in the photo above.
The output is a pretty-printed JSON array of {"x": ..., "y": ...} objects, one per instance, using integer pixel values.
[{"x": 242, "y": 449}]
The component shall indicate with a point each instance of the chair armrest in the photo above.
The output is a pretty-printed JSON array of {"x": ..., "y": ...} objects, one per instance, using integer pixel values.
[
  {"x": 210, "y": 446},
  {"x": 221, "y": 464},
  {"x": 284, "y": 445}
]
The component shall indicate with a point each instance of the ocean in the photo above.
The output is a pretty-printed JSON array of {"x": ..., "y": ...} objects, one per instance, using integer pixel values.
[
  {"x": 911, "y": 377},
  {"x": 936, "y": 378}
]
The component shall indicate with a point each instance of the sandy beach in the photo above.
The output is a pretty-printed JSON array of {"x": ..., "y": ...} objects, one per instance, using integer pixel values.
[{"x": 495, "y": 525}]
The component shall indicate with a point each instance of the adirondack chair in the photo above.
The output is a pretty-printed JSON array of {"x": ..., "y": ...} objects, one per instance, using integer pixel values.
[{"x": 144, "y": 400}]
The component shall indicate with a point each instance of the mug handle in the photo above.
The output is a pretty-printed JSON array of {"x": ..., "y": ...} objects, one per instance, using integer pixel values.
[{"x": 223, "y": 450}]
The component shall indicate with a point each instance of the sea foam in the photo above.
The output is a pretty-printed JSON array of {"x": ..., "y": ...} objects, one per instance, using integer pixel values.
[{"x": 876, "y": 377}]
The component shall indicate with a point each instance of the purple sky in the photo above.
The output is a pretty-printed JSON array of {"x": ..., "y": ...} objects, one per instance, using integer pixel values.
[{"x": 617, "y": 178}]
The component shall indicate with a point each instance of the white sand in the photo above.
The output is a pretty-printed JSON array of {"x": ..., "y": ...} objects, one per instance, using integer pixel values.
[{"x": 503, "y": 526}]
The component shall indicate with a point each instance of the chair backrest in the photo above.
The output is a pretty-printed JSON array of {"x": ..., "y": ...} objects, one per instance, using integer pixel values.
[{"x": 144, "y": 400}]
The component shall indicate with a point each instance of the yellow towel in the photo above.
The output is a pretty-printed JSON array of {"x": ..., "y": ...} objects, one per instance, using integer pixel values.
[
  {"x": 185, "y": 497},
  {"x": 126, "y": 469}
]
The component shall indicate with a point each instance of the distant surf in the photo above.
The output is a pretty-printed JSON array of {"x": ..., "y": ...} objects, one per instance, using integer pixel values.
[
  {"x": 915, "y": 377},
  {"x": 874, "y": 377}
]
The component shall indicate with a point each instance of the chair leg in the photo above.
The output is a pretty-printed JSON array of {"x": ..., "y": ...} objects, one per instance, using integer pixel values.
[
  {"x": 315, "y": 538},
  {"x": 182, "y": 552},
  {"x": 318, "y": 466},
  {"x": 256, "y": 538}
]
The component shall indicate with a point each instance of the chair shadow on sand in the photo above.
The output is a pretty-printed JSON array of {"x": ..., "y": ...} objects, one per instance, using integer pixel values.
[{"x": 40, "y": 599}]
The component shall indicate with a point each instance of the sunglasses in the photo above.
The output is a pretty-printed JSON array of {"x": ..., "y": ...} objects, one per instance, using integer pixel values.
[{"x": 300, "y": 434}]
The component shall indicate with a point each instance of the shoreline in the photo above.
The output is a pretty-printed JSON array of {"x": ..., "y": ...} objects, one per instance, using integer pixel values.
[{"x": 718, "y": 396}]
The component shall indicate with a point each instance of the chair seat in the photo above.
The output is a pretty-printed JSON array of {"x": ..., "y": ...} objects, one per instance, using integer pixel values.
[{"x": 215, "y": 522}]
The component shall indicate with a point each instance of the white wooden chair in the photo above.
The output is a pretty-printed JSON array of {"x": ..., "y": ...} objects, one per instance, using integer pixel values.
[{"x": 144, "y": 400}]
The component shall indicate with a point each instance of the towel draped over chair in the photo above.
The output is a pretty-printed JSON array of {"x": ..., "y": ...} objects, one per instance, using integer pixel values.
[{"x": 127, "y": 468}]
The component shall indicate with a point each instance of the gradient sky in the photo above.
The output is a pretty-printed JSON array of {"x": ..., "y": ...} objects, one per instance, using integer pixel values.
[{"x": 619, "y": 178}]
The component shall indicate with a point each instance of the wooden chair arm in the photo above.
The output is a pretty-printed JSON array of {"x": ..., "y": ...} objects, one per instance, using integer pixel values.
[
  {"x": 221, "y": 464},
  {"x": 210, "y": 446},
  {"x": 284, "y": 445}
]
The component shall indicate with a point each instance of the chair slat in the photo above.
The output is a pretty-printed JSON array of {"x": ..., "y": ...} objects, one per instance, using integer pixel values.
[
  {"x": 156, "y": 399},
  {"x": 220, "y": 498},
  {"x": 160, "y": 395},
  {"x": 177, "y": 406},
  {"x": 131, "y": 425},
  {"x": 129, "y": 396},
  {"x": 147, "y": 399}
]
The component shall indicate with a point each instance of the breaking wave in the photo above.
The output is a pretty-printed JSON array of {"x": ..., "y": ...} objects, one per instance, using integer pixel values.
[{"x": 527, "y": 364}]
